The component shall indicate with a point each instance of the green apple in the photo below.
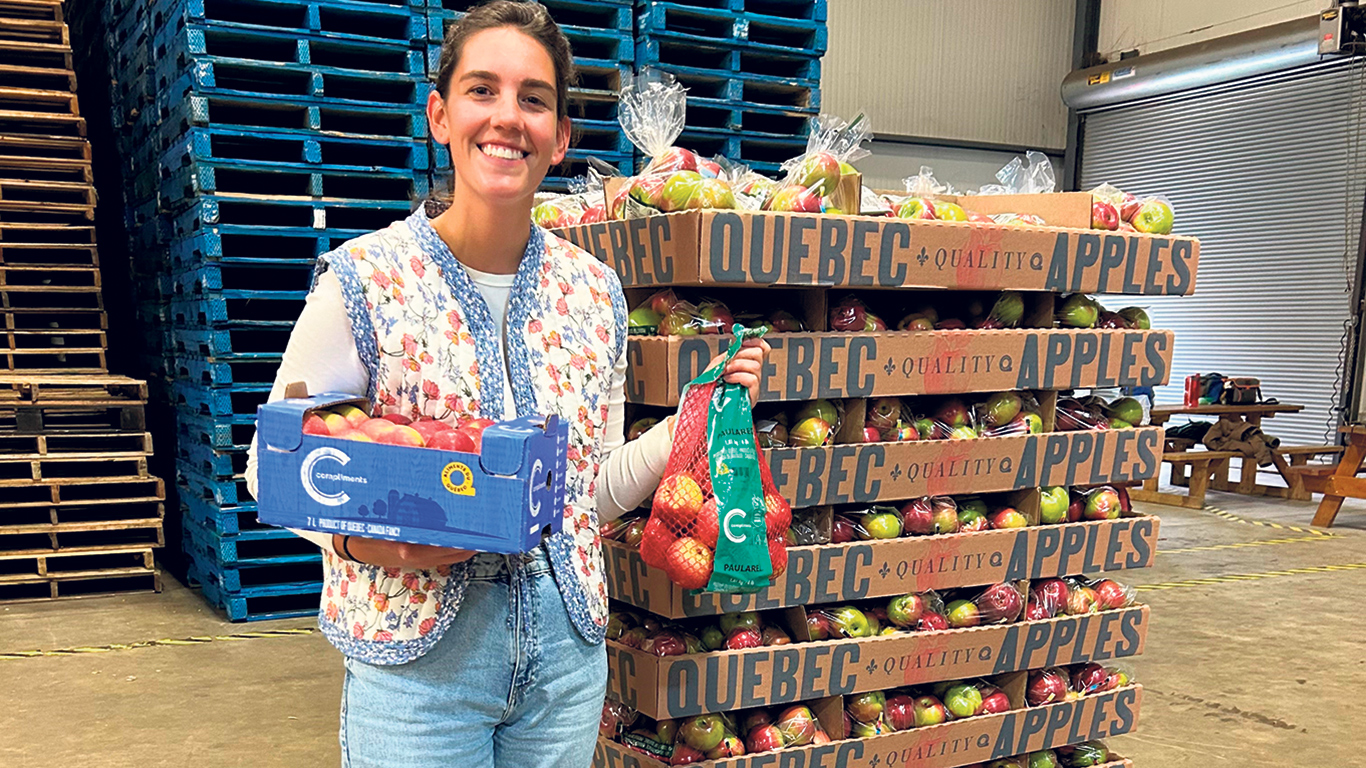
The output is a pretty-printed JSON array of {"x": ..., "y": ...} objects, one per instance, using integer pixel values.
[
  {"x": 642, "y": 321},
  {"x": 1079, "y": 311},
  {"x": 713, "y": 639},
  {"x": 905, "y": 610},
  {"x": 811, "y": 432},
  {"x": 916, "y": 208},
  {"x": 712, "y": 193},
  {"x": 972, "y": 520},
  {"x": 963, "y": 700},
  {"x": 1137, "y": 317},
  {"x": 1126, "y": 409},
  {"x": 963, "y": 613},
  {"x": 742, "y": 620},
  {"x": 1002, "y": 408},
  {"x": 679, "y": 190},
  {"x": 1044, "y": 759},
  {"x": 821, "y": 409},
  {"x": 849, "y": 621},
  {"x": 949, "y": 212},
  {"x": 1120, "y": 424},
  {"x": 1053, "y": 505},
  {"x": 964, "y": 432},
  {"x": 1153, "y": 217},
  {"x": 1033, "y": 421},
  {"x": 881, "y": 524}
]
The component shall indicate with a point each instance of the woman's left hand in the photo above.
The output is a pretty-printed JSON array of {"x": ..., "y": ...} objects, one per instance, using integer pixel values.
[{"x": 746, "y": 367}]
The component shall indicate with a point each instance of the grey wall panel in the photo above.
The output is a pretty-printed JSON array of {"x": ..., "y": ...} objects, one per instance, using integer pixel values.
[
  {"x": 981, "y": 72},
  {"x": 1259, "y": 172},
  {"x": 963, "y": 168},
  {"x": 1156, "y": 25}
]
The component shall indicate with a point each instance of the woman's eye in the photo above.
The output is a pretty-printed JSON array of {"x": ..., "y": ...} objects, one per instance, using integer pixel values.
[
  {"x": 536, "y": 101},
  {"x": 481, "y": 90}
]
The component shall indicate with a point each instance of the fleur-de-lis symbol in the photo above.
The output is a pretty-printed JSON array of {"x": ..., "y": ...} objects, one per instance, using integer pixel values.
[
  {"x": 884, "y": 570},
  {"x": 923, "y": 257},
  {"x": 891, "y": 366},
  {"x": 872, "y": 667},
  {"x": 896, "y": 472},
  {"x": 874, "y": 761}
]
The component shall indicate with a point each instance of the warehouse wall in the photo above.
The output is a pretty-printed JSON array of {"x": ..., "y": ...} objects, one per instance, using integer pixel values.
[
  {"x": 980, "y": 72},
  {"x": 1156, "y": 25}
]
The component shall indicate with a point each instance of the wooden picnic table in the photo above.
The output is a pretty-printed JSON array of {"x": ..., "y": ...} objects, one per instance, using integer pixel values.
[
  {"x": 1337, "y": 483},
  {"x": 1218, "y": 479}
]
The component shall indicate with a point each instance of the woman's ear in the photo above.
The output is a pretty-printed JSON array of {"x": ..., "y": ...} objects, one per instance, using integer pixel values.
[
  {"x": 438, "y": 118},
  {"x": 562, "y": 134}
]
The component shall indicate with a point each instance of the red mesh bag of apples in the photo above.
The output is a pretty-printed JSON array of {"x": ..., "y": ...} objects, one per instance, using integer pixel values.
[{"x": 718, "y": 522}]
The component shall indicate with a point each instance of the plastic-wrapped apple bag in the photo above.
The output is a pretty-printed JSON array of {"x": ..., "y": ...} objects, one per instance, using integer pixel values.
[
  {"x": 1030, "y": 175},
  {"x": 1073, "y": 416},
  {"x": 851, "y": 315},
  {"x": 1109, "y": 595},
  {"x": 815, "y": 423},
  {"x": 995, "y": 604},
  {"x": 1048, "y": 686},
  {"x": 1047, "y": 599},
  {"x": 1008, "y": 413},
  {"x": 1019, "y": 220},
  {"x": 1149, "y": 214},
  {"x": 812, "y": 177},
  {"x": 810, "y": 526},
  {"x": 560, "y": 211}
]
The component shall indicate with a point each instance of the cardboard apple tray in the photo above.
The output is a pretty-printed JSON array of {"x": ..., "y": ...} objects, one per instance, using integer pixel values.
[
  {"x": 957, "y": 743},
  {"x": 499, "y": 500},
  {"x": 797, "y": 249},
  {"x": 806, "y": 366},
  {"x": 868, "y": 472},
  {"x": 832, "y": 573},
  {"x": 692, "y": 684}
]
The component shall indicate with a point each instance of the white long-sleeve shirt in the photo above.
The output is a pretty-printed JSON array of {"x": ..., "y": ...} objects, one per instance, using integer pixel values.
[{"x": 322, "y": 353}]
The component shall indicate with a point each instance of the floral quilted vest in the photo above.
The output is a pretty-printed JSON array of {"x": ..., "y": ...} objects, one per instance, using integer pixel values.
[{"x": 425, "y": 333}]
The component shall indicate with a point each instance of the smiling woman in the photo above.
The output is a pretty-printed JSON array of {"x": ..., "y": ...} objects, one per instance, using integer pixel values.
[{"x": 455, "y": 657}]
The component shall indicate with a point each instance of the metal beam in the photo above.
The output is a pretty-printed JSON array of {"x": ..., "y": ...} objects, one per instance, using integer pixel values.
[{"x": 1085, "y": 41}]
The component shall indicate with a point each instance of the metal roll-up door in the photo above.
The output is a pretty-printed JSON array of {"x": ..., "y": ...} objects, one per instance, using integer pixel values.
[{"x": 1260, "y": 171}]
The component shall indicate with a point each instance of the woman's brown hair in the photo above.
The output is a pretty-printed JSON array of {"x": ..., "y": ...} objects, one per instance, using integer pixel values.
[{"x": 532, "y": 20}]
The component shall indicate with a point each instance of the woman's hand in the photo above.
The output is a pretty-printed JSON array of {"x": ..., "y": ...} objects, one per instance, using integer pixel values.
[
  {"x": 398, "y": 554},
  {"x": 746, "y": 367}
]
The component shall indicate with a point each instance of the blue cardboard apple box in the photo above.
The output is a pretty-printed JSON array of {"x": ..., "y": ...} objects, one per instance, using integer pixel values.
[{"x": 503, "y": 499}]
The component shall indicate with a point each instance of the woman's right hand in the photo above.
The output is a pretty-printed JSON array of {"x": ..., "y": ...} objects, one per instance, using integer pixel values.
[{"x": 398, "y": 554}]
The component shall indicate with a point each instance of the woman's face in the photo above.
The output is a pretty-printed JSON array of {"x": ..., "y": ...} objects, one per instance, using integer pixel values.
[{"x": 499, "y": 116}]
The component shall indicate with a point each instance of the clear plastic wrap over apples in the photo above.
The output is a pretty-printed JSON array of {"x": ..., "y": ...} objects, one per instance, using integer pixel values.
[
  {"x": 1057, "y": 684},
  {"x": 1031, "y": 175},
  {"x": 347, "y": 422},
  {"x": 1086, "y": 755},
  {"x": 617, "y": 718},
  {"x": 728, "y": 632},
  {"x": 1114, "y": 209},
  {"x": 1097, "y": 413},
  {"x": 901, "y": 709},
  {"x": 996, "y": 604},
  {"x": 720, "y": 735},
  {"x": 627, "y": 529},
  {"x": 915, "y": 612},
  {"x": 996, "y": 415},
  {"x": 1078, "y": 310},
  {"x": 926, "y": 199},
  {"x": 809, "y": 425},
  {"x": 665, "y": 314},
  {"x": 1075, "y": 596},
  {"x": 812, "y": 178},
  {"x": 585, "y": 204},
  {"x": 986, "y": 311},
  {"x": 810, "y": 526},
  {"x": 715, "y": 465}
]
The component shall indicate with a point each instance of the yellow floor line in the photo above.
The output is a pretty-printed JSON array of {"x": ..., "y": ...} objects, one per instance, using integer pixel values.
[
  {"x": 1243, "y": 545},
  {"x": 1229, "y": 516},
  {"x": 1237, "y": 577},
  {"x": 195, "y": 640}
]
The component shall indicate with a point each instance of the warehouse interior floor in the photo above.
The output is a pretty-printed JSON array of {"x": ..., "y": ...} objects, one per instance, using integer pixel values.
[{"x": 1256, "y": 657}]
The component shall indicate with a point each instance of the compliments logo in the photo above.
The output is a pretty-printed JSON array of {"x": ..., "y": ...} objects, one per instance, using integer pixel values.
[{"x": 309, "y": 472}]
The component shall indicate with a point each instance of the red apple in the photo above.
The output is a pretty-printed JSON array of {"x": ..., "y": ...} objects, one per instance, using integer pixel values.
[
  {"x": 797, "y": 724},
  {"x": 755, "y": 719},
  {"x": 1111, "y": 594},
  {"x": 900, "y": 712},
  {"x": 994, "y": 703},
  {"x": 397, "y": 418},
  {"x": 1046, "y": 686},
  {"x": 843, "y": 530},
  {"x": 688, "y": 563},
  {"x": 453, "y": 440},
  {"x": 929, "y": 710},
  {"x": 1104, "y": 216},
  {"x": 1082, "y": 601},
  {"x": 1089, "y": 678},
  {"x": 374, "y": 428},
  {"x": 315, "y": 425},
  {"x": 1000, "y": 602},
  {"x": 429, "y": 428},
  {"x": 764, "y": 738},
  {"x": 871, "y": 435},
  {"x": 397, "y": 435},
  {"x": 1102, "y": 504},
  {"x": 932, "y": 622},
  {"x": 664, "y": 644},
  {"x": 917, "y": 516}
]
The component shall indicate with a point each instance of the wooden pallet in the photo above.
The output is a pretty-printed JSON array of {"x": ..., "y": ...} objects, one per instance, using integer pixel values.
[
  {"x": 49, "y": 276},
  {"x": 65, "y": 318},
  {"x": 38, "y": 100},
  {"x": 45, "y": 32},
  {"x": 77, "y": 573},
  {"x": 67, "y": 528},
  {"x": 58, "y": 159},
  {"x": 75, "y": 443},
  {"x": 32, "y": 10},
  {"x": 76, "y": 491},
  {"x": 52, "y": 468},
  {"x": 50, "y": 78},
  {"x": 47, "y": 197},
  {"x": 72, "y": 391}
]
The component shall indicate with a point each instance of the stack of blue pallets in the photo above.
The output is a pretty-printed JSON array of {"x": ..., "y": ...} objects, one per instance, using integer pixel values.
[
  {"x": 600, "y": 32},
  {"x": 254, "y": 136},
  {"x": 752, "y": 69}
]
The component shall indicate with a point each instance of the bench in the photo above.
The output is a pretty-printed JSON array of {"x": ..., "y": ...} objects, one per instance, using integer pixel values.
[{"x": 1193, "y": 470}]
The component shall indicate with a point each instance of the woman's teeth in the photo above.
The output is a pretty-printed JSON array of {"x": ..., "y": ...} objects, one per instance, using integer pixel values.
[{"x": 507, "y": 153}]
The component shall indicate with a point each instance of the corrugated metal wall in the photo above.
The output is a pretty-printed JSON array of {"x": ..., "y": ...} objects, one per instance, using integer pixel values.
[
  {"x": 963, "y": 168},
  {"x": 981, "y": 72},
  {"x": 1156, "y": 25},
  {"x": 1264, "y": 174}
]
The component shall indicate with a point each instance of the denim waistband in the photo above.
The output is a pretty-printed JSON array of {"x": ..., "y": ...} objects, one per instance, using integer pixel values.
[{"x": 487, "y": 566}]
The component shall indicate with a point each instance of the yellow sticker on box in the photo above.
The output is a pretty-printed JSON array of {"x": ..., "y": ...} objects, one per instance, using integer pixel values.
[{"x": 458, "y": 479}]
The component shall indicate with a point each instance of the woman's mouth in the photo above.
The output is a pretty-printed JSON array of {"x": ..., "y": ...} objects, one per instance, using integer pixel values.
[{"x": 502, "y": 151}]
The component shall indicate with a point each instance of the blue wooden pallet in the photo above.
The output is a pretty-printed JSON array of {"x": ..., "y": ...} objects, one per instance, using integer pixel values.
[
  {"x": 805, "y": 10},
  {"x": 239, "y": 308},
  {"x": 263, "y": 603},
  {"x": 222, "y": 243},
  {"x": 234, "y": 400},
  {"x": 730, "y": 116},
  {"x": 223, "y": 373},
  {"x": 228, "y": 493},
  {"x": 293, "y": 82},
  {"x": 256, "y": 547},
  {"x": 696, "y": 24},
  {"x": 588, "y": 14},
  {"x": 265, "y": 180},
  {"x": 604, "y": 44},
  {"x": 181, "y": 45},
  {"x": 599, "y": 136},
  {"x": 286, "y": 215},
  {"x": 239, "y": 578},
  {"x": 759, "y": 90},
  {"x": 225, "y": 521},
  {"x": 805, "y": 66},
  {"x": 292, "y": 149},
  {"x": 249, "y": 343},
  {"x": 221, "y": 433},
  {"x": 210, "y": 461},
  {"x": 340, "y": 18}
]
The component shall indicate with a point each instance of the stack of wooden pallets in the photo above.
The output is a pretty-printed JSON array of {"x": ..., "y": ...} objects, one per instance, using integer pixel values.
[{"x": 79, "y": 512}]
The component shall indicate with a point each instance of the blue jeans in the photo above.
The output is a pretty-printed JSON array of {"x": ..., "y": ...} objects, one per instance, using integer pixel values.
[{"x": 511, "y": 683}]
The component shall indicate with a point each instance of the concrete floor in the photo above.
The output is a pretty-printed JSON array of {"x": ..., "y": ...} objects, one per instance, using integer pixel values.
[{"x": 1261, "y": 672}]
